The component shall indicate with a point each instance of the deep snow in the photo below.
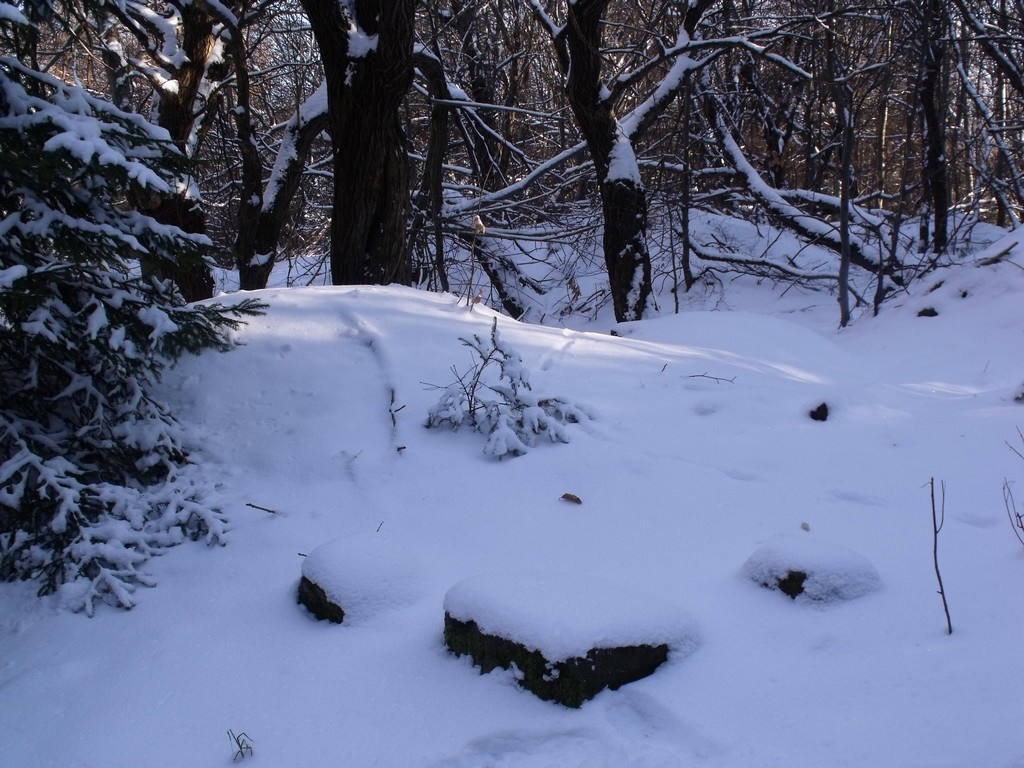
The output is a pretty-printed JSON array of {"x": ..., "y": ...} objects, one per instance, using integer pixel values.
[{"x": 700, "y": 453}]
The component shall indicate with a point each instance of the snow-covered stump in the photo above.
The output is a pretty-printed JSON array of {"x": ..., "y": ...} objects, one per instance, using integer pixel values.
[
  {"x": 566, "y": 637},
  {"x": 811, "y": 569},
  {"x": 355, "y": 578}
]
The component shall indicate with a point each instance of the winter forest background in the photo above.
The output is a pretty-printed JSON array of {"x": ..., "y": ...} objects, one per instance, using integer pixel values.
[
  {"x": 685, "y": 292},
  {"x": 552, "y": 160},
  {"x": 607, "y": 146}
]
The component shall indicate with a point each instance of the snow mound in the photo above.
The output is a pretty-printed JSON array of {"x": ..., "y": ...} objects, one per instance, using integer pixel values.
[
  {"x": 832, "y": 572},
  {"x": 566, "y": 615},
  {"x": 366, "y": 574}
]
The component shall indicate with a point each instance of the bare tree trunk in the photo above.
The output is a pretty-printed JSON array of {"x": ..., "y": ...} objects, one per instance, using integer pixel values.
[
  {"x": 842, "y": 97},
  {"x": 429, "y": 201},
  {"x": 623, "y": 197},
  {"x": 687, "y": 191},
  {"x": 262, "y": 220},
  {"x": 368, "y": 68},
  {"x": 176, "y": 112},
  {"x": 843, "y": 107},
  {"x": 115, "y": 64},
  {"x": 932, "y": 104}
]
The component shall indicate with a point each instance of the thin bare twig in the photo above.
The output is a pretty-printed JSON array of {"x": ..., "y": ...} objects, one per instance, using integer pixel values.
[
  {"x": 713, "y": 378},
  {"x": 1016, "y": 519},
  {"x": 938, "y": 518},
  {"x": 262, "y": 509},
  {"x": 1014, "y": 449}
]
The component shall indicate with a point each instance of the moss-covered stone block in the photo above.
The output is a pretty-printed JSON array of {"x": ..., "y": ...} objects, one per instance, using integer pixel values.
[
  {"x": 566, "y": 636},
  {"x": 570, "y": 681},
  {"x": 355, "y": 578}
]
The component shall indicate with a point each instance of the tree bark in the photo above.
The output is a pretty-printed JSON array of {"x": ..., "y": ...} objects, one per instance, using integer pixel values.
[
  {"x": 623, "y": 197},
  {"x": 932, "y": 104},
  {"x": 429, "y": 201},
  {"x": 177, "y": 113},
  {"x": 366, "y": 49},
  {"x": 263, "y": 219},
  {"x": 842, "y": 98}
]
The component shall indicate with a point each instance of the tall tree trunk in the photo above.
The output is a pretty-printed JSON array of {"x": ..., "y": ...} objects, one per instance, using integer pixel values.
[
  {"x": 429, "y": 201},
  {"x": 842, "y": 99},
  {"x": 176, "y": 112},
  {"x": 843, "y": 108},
  {"x": 263, "y": 213},
  {"x": 115, "y": 65},
  {"x": 366, "y": 47},
  {"x": 932, "y": 103},
  {"x": 623, "y": 197}
]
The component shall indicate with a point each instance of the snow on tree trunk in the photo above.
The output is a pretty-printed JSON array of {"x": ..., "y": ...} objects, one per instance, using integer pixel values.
[
  {"x": 258, "y": 238},
  {"x": 623, "y": 197},
  {"x": 933, "y": 103},
  {"x": 366, "y": 47},
  {"x": 179, "y": 104}
]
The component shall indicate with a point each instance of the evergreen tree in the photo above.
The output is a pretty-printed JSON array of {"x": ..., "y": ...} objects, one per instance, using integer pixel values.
[{"x": 94, "y": 472}]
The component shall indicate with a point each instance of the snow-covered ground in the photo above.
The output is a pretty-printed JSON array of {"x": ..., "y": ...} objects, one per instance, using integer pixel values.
[{"x": 701, "y": 452}]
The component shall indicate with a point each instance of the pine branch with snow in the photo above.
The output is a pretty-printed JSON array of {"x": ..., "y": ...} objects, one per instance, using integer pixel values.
[{"x": 94, "y": 471}]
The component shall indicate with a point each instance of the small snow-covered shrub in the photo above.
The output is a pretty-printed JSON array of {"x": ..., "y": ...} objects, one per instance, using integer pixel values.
[{"x": 494, "y": 397}]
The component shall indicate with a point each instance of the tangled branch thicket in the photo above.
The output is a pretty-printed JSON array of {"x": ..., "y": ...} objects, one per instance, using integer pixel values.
[{"x": 876, "y": 136}]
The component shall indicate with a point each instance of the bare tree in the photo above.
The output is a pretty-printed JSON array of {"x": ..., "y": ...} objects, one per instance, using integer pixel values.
[
  {"x": 179, "y": 47},
  {"x": 595, "y": 96},
  {"x": 560, "y": 124},
  {"x": 366, "y": 47},
  {"x": 930, "y": 92}
]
